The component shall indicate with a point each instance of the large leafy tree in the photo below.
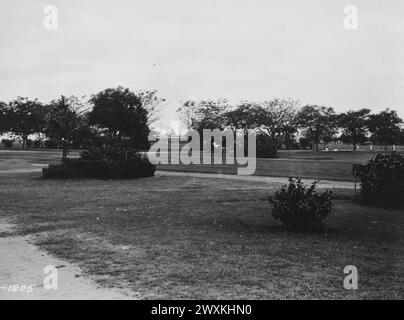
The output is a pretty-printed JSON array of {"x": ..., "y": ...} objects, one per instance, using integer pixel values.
[
  {"x": 85, "y": 135},
  {"x": 63, "y": 121},
  {"x": 385, "y": 127},
  {"x": 279, "y": 118},
  {"x": 354, "y": 126},
  {"x": 26, "y": 117},
  {"x": 245, "y": 116},
  {"x": 206, "y": 114},
  {"x": 119, "y": 112},
  {"x": 211, "y": 114},
  {"x": 319, "y": 123}
]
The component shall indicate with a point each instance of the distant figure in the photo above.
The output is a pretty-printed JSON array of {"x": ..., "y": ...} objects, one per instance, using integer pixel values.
[
  {"x": 326, "y": 149},
  {"x": 371, "y": 147},
  {"x": 394, "y": 147}
]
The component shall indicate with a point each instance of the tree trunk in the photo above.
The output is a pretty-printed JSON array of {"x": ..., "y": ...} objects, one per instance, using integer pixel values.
[
  {"x": 24, "y": 143},
  {"x": 64, "y": 152}
]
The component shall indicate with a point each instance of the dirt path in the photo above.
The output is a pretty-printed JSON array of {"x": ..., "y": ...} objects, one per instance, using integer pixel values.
[{"x": 22, "y": 264}]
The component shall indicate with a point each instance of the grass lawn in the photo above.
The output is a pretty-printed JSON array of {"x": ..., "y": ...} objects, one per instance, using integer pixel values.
[
  {"x": 184, "y": 237},
  {"x": 303, "y": 164}
]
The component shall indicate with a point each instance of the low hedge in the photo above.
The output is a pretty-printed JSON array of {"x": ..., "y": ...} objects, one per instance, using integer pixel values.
[
  {"x": 111, "y": 153},
  {"x": 100, "y": 169}
]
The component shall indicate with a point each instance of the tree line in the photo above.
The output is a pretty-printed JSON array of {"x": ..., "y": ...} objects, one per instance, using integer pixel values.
[
  {"x": 113, "y": 116},
  {"x": 119, "y": 115},
  {"x": 281, "y": 121}
]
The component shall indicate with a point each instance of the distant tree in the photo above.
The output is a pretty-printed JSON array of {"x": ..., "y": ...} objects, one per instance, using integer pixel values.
[
  {"x": 245, "y": 116},
  {"x": 119, "y": 112},
  {"x": 205, "y": 114},
  {"x": 385, "y": 127},
  {"x": 305, "y": 143},
  {"x": 188, "y": 113},
  {"x": 279, "y": 117},
  {"x": 354, "y": 126},
  {"x": 318, "y": 123},
  {"x": 402, "y": 137},
  {"x": 152, "y": 103},
  {"x": 63, "y": 121},
  {"x": 254, "y": 116},
  {"x": 26, "y": 117},
  {"x": 289, "y": 138},
  {"x": 85, "y": 136},
  {"x": 4, "y": 118},
  {"x": 211, "y": 114}
]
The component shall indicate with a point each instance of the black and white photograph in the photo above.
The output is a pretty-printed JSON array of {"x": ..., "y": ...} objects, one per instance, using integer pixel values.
[{"x": 201, "y": 156}]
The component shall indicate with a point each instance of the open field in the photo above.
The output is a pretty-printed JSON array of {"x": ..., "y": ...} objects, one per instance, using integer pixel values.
[
  {"x": 302, "y": 168},
  {"x": 304, "y": 164},
  {"x": 34, "y": 156},
  {"x": 347, "y": 156},
  {"x": 192, "y": 237}
]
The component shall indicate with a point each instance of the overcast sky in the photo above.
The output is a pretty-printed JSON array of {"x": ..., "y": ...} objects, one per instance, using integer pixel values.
[{"x": 235, "y": 49}]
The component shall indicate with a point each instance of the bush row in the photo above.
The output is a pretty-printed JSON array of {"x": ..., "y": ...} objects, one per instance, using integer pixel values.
[
  {"x": 100, "y": 169},
  {"x": 119, "y": 152}
]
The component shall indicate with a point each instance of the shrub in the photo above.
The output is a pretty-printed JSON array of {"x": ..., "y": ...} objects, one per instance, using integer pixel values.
[
  {"x": 109, "y": 162},
  {"x": 300, "y": 208},
  {"x": 100, "y": 169},
  {"x": 7, "y": 143},
  {"x": 122, "y": 152},
  {"x": 382, "y": 181}
]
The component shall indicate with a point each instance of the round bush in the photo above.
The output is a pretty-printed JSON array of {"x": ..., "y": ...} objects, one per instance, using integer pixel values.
[
  {"x": 300, "y": 208},
  {"x": 382, "y": 181}
]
